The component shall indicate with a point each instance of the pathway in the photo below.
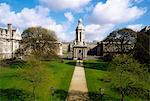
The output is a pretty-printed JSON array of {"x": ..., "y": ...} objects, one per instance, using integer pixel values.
[{"x": 78, "y": 88}]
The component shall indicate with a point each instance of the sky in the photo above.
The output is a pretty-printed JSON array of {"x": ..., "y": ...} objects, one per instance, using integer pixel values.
[{"x": 100, "y": 17}]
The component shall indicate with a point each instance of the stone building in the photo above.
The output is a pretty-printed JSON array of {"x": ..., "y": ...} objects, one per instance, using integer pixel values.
[
  {"x": 79, "y": 45},
  {"x": 9, "y": 41},
  {"x": 59, "y": 50},
  {"x": 115, "y": 43}
]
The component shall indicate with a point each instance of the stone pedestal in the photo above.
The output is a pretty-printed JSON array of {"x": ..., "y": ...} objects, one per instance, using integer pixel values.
[{"x": 79, "y": 52}]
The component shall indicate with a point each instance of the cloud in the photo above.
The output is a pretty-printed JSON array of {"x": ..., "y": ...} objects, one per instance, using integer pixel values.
[
  {"x": 136, "y": 27},
  {"x": 97, "y": 32},
  {"x": 38, "y": 16},
  {"x": 64, "y": 4},
  {"x": 105, "y": 16},
  {"x": 115, "y": 11},
  {"x": 69, "y": 16},
  {"x": 68, "y": 37}
]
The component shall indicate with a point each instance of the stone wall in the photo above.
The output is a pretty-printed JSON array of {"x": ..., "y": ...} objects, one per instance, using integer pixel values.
[
  {"x": 9, "y": 41},
  {"x": 91, "y": 48},
  {"x": 66, "y": 48},
  {"x": 99, "y": 49}
]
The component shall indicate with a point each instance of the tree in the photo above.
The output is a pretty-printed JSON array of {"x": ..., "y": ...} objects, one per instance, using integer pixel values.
[
  {"x": 121, "y": 39},
  {"x": 39, "y": 42},
  {"x": 128, "y": 76},
  {"x": 142, "y": 48},
  {"x": 35, "y": 73}
]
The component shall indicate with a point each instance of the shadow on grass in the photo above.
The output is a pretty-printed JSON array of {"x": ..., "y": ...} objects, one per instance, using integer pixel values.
[
  {"x": 67, "y": 58},
  {"x": 60, "y": 94},
  {"x": 71, "y": 63},
  {"x": 98, "y": 97},
  {"x": 9, "y": 76},
  {"x": 97, "y": 65},
  {"x": 15, "y": 95},
  {"x": 13, "y": 63}
]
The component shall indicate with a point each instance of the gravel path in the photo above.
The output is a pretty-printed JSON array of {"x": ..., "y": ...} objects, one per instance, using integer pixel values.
[{"x": 78, "y": 88}]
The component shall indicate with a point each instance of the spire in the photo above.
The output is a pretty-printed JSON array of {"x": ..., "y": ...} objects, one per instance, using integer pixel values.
[
  {"x": 80, "y": 21},
  {"x": 80, "y": 24}
]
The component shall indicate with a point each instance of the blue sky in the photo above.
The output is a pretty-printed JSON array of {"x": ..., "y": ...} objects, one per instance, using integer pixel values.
[{"x": 100, "y": 17}]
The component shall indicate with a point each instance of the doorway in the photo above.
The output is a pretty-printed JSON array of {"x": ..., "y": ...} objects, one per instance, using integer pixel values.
[{"x": 80, "y": 54}]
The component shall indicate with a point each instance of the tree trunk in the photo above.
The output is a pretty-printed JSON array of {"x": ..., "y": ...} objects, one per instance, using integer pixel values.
[
  {"x": 122, "y": 96},
  {"x": 34, "y": 96},
  {"x": 122, "y": 51}
]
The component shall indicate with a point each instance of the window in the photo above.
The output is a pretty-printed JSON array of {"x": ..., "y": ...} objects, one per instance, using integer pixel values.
[
  {"x": 80, "y": 36},
  {"x": 79, "y": 51}
]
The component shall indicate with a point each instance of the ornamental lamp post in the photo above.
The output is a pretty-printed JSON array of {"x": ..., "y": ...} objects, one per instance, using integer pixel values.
[
  {"x": 101, "y": 90},
  {"x": 52, "y": 91}
]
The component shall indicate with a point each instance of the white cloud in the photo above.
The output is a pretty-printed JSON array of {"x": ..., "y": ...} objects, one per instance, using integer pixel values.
[
  {"x": 106, "y": 15},
  {"x": 68, "y": 37},
  {"x": 38, "y": 16},
  {"x": 97, "y": 32},
  {"x": 115, "y": 11},
  {"x": 64, "y": 4},
  {"x": 135, "y": 27},
  {"x": 69, "y": 16}
]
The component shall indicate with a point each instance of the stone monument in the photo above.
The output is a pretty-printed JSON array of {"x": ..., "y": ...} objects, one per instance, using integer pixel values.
[{"x": 79, "y": 46}]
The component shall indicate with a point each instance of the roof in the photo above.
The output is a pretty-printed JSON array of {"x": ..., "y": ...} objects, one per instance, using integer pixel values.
[{"x": 80, "y": 24}]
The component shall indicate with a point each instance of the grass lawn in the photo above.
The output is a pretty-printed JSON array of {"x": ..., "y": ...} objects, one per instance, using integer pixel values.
[
  {"x": 95, "y": 71},
  {"x": 12, "y": 88}
]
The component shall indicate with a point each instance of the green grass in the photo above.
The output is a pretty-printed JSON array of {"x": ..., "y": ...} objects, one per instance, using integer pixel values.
[
  {"x": 12, "y": 88},
  {"x": 96, "y": 70}
]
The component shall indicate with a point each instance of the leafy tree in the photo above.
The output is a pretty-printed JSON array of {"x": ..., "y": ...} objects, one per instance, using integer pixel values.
[
  {"x": 35, "y": 73},
  {"x": 128, "y": 76},
  {"x": 142, "y": 47},
  {"x": 120, "y": 39},
  {"x": 39, "y": 42}
]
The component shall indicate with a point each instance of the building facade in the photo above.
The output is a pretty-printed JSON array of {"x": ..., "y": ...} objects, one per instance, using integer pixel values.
[
  {"x": 9, "y": 41},
  {"x": 79, "y": 45}
]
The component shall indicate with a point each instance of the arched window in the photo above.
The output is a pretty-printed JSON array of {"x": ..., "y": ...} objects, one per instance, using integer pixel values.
[
  {"x": 76, "y": 36},
  {"x": 79, "y": 51}
]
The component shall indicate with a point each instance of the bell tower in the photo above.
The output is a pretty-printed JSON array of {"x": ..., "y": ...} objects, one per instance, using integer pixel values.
[
  {"x": 79, "y": 46},
  {"x": 80, "y": 35}
]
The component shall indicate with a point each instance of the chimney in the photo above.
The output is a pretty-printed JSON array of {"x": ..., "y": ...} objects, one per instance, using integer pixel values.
[{"x": 9, "y": 28}]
